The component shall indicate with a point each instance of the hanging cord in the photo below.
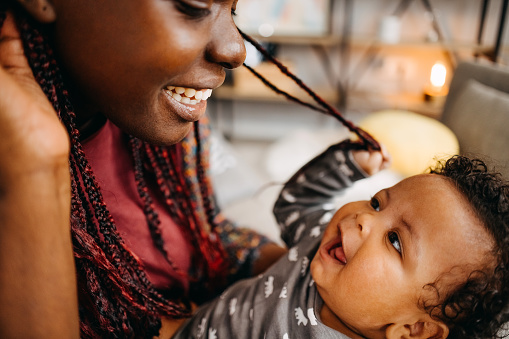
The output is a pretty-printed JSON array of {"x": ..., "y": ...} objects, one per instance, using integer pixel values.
[{"x": 322, "y": 107}]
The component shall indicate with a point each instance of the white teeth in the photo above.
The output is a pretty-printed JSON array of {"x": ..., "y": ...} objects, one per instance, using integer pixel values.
[
  {"x": 188, "y": 95},
  {"x": 207, "y": 94},
  {"x": 190, "y": 92}
]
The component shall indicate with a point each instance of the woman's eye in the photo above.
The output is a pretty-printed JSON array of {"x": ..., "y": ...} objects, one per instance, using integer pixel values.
[
  {"x": 375, "y": 204},
  {"x": 192, "y": 11},
  {"x": 394, "y": 240}
]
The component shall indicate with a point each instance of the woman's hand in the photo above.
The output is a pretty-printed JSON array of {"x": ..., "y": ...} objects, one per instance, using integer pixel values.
[
  {"x": 38, "y": 293},
  {"x": 373, "y": 161},
  {"x": 32, "y": 135}
]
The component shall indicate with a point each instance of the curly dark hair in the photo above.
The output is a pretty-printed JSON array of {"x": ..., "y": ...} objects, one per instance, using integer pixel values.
[{"x": 478, "y": 308}]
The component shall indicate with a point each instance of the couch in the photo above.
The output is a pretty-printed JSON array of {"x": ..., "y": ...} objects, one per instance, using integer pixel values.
[{"x": 477, "y": 111}]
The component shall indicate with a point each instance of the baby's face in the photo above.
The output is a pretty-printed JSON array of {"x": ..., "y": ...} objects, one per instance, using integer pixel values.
[{"x": 376, "y": 256}]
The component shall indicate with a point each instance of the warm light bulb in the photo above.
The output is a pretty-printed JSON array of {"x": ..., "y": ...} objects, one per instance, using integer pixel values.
[
  {"x": 438, "y": 74},
  {"x": 436, "y": 90}
]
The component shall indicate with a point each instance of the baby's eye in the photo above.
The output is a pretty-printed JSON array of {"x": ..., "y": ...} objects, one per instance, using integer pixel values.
[
  {"x": 394, "y": 240},
  {"x": 375, "y": 204}
]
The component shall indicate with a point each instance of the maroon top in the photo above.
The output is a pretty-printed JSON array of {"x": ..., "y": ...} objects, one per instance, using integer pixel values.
[{"x": 109, "y": 155}]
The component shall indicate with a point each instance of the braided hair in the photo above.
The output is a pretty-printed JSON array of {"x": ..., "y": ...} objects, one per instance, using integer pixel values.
[{"x": 116, "y": 299}]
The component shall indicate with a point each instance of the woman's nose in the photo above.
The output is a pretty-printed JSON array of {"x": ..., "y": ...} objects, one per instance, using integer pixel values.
[{"x": 227, "y": 45}]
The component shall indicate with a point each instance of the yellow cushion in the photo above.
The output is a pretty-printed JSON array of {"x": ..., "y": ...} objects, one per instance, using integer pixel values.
[{"x": 414, "y": 141}]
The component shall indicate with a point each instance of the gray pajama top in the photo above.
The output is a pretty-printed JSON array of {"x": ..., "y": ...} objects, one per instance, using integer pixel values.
[{"x": 283, "y": 303}]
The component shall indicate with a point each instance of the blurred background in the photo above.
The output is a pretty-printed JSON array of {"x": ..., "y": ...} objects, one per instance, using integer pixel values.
[{"x": 363, "y": 57}]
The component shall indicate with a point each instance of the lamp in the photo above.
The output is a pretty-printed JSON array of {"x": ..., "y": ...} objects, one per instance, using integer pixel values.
[{"x": 436, "y": 90}]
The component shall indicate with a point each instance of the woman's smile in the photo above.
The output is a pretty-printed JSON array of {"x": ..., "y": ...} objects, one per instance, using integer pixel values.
[
  {"x": 189, "y": 96},
  {"x": 190, "y": 104}
]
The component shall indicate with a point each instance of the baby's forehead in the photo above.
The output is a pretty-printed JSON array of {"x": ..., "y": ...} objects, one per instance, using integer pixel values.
[
  {"x": 433, "y": 190},
  {"x": 425, "y": 180},
  {"x": 427, "y": 190},
  {"x": 442, "y": 223}
]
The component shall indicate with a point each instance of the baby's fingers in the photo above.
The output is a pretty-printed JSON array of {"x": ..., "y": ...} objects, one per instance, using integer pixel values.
[
  {"x": 373, "y": 161},
  {"x": 386, "y": 157}
]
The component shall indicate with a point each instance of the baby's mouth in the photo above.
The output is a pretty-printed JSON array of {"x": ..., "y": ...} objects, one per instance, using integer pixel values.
[
  {"x": 188, "y": 96},
  {"x": 336, "y": 252}
]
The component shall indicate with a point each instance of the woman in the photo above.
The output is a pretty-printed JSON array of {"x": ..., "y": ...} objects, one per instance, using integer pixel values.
[{"x": 109, "y": 227}]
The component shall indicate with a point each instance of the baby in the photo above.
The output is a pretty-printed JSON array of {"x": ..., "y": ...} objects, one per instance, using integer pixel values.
[{"x": 425, "y": 258}]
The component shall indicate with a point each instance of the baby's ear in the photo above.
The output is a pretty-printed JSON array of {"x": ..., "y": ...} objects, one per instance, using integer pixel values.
[
  {"x": 429, "y": 329},
  {"x": 41, "y": 10}
]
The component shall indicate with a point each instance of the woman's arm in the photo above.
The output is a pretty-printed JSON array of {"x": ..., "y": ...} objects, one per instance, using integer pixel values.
[{"x": 38, "y": 295}]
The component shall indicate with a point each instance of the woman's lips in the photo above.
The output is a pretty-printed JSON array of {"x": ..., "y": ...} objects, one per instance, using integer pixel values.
[{"x": 190, "y": 104}]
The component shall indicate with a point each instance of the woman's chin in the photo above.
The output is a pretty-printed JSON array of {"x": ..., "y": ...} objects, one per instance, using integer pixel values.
[{"x": 169, "y": 136}]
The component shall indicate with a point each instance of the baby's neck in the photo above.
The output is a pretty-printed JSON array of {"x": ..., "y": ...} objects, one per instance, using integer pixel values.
[{"x": 330, "y": 319}]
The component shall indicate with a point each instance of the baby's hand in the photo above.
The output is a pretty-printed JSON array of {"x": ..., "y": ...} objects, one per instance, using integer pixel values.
[{"x": 373, "y": 161}]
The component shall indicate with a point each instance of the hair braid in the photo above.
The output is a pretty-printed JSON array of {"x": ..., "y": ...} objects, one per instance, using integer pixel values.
[
  {"x": 168, "y": 171},
  {"x": 210, "y": 210},
  {"x": 207, "y": 197},
  {"x": 325, "y": 107},
  {"x": 150, "y": 213}
]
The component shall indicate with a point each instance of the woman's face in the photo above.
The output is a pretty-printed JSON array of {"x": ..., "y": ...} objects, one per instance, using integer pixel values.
[{"x": 127, "y": 58}]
